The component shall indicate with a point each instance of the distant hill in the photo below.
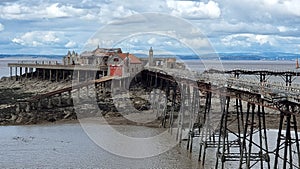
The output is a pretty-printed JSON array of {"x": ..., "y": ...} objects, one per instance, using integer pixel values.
[
  {"x": 30, "y": 56},
  {"x": 238, "y": 56},
  {"x": 259, "y": 56},
  {"x": 223, "y": 56}
]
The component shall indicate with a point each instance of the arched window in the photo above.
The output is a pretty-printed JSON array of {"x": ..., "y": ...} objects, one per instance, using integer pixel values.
[{"x": 105, "y": 59}]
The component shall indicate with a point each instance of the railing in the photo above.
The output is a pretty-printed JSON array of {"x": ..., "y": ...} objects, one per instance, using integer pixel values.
[
  {"x": 250, "y": 85},
  {"x": 40, "y": 62}
]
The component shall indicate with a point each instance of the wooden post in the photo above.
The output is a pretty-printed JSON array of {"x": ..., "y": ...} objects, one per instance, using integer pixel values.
[
  {"x": 69, "y": 98},
  {"x": 72, "y": 74},
  {"x": 63, "y": 75},
  {"x": 78, "y": 75},
  {"x": 27, "y": 109},
  {"x": 39, "y": 105},
  {"x": 44, "y": 74},
  {"x": 21, "y": 73},
  {"x": 10, "y": 72},
  {"x": 59, "y": 100},
  {"x": 31, "y": 71},
  {"x": 49, "y": 103},
  {"x": 86, "y": 75},
  {"x": 16, "y": 73},
  {"x": 26, "y": 72},
  {"x": 56, "y": 75},
  {"x": 87, "y": 90},
  {"x": 37, "y": 73},
  {"x": 50, "y": 76},
  {"x": 95, "y": 75},
  {"x": 78, "y": 95},
  {"x": 18, "y": 108}
]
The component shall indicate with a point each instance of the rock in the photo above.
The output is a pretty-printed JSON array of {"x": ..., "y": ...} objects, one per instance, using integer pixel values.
[
  {"x": 68, "y": 114},
  {"x": 13, "y": 117},
  {"x": 51, "y": 120},
  {"x": 112, "y": 114},
  {"x": 19, "y": 120}
]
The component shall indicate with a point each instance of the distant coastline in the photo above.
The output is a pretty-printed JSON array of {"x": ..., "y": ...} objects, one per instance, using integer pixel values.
[
  {"x": 223, "y": 56},
  {"x": 27, "y": 56}
]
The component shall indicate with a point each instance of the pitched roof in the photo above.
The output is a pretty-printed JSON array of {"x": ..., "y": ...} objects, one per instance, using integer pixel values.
[
  {"x": 171, "y": 60},
  {"x": 107, "y": 50},
  {"x": 133, "y": 59}
]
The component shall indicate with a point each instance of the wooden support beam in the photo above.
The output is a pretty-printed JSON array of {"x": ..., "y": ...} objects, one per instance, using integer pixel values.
[
  {"x": 10, "y": 72},
  {"x": 21, "y": 73},
  {"x": 56, "y": 75},
  {"x": 50, "y": 75},
  {"x": 60, "y": 100},
  {"x": 69, "y": 101},
  {"x": 78, "y": 75},
  {"x": 44, "y": 74},
  {"x": 16, "y": 73},
  {"x": 26, "y": 72}
]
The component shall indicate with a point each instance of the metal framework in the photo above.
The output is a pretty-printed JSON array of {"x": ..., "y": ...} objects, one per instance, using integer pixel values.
[{"x": 241, "y": 135}]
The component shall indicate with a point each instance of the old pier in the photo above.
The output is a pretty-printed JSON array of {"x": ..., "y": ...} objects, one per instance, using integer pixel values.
[{"x": 223, "y": 112}]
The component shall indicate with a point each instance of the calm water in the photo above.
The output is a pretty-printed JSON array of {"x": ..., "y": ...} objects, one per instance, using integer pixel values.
[{"x": 67, "y": 146}]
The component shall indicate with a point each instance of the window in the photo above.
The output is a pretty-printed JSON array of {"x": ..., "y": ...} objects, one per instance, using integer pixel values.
[
  {"x": 105, "y": 58},
  {"x": 116, "y": 59}
]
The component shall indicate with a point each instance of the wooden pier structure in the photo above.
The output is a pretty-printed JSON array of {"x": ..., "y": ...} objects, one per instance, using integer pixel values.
[
  {"x": 54, "y": 71},
  {"x": 238, "y": 133}
]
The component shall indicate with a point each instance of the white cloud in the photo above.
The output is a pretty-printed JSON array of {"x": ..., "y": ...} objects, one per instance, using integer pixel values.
[
  {"x": 196, "y": 43},
  {"x": 260, "y": 10},
  {"x": 54, "y": 11},
  {"x": 246, "y": 40},
  {"x": 42, "y": 10},
  {"x": 89, "y": 17},
  {"x": 110, "y": 12},
  {"x": 151, "y": 41},
  {"x": 92, "y": 43},
  {"x": 283, "y": 6},
  {"x": 286, "y": 29},
  {"x": 194, "y": 9},
  {"x": 12, "y": 11},
  {"x": 71, "y": 44},
  {"x": 39, "y": 38},
  {"x": 226, "y": 27},
  {"x": 1, "y": 27}
]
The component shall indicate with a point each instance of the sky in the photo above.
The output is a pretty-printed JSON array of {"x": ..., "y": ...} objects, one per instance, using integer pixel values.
[{"x": 54, "y": 27}]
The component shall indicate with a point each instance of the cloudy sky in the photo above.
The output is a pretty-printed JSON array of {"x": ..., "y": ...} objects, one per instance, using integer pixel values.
[{"x": 53, "y": 27}]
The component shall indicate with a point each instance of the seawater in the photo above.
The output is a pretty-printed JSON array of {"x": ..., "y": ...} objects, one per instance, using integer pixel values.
[{"x": 68, "y": 146}]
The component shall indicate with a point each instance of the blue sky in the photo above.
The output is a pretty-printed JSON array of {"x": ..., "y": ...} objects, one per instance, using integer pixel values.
[{"x": 53, "y": 27}]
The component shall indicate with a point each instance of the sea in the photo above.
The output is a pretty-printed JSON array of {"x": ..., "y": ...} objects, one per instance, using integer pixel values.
[{"x": 68, "y": 145}]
